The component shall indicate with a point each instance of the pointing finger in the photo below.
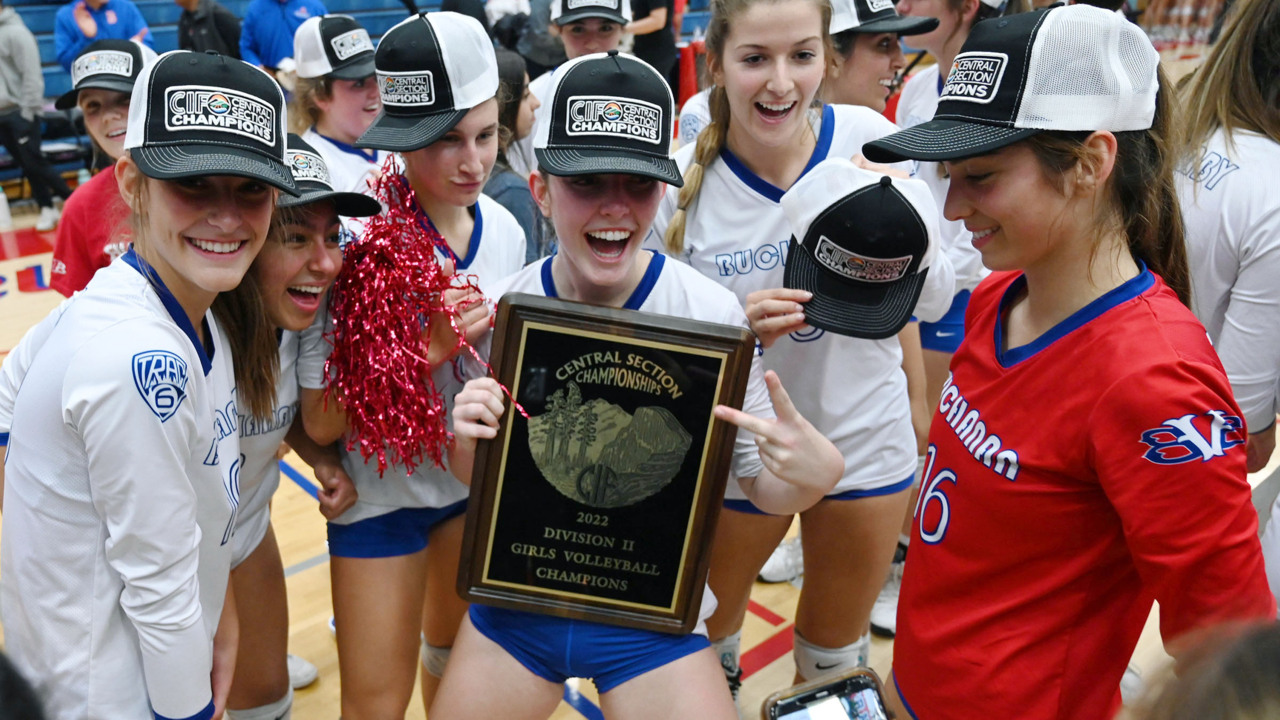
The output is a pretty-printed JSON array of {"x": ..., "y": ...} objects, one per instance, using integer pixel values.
[{"x": 782, "y": 405}]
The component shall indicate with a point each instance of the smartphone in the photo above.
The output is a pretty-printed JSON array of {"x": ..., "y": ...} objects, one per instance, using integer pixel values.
[{"x": 854, "y": 695}]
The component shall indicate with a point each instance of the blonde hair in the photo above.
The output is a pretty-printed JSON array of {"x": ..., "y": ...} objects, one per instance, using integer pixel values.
[
  {"x": 712, "y": 138},
  {"x": 1228, "y": 675},
  {"x": 241, "y": 313},
  {"x": 1237, "y": 86},
  {"x": 303, "y": 109}
]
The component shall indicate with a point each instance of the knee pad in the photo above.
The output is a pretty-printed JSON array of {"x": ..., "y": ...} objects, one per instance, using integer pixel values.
[
  {"x": 813, "y": 662},
  {"x": 281, "y": 709},
  {"x": 433, "y": 658},
  {"x": 729, "y": 652}
]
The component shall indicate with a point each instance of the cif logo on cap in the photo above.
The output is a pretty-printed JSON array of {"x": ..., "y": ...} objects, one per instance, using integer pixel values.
[
  {"x": 575, "y": 4},
  {"x": 614, "y": 117},
  {"x": 308, "y": 166},
  {"x": 351, "y": 43},
  {"x": 879, "y": 5},
  {"x": 975, "y": 77},
  {"x": 195, "y": 107},
  {"x": 103, "y": 62},
  {"x": 416, "y": 88},
  {"x": 161, "y": 379},
  {"x": 859, "y": 267}
]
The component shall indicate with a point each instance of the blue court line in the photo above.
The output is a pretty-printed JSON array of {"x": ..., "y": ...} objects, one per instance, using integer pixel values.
[
  {"x": 576, "y": 701},
  {"x": 572, "y": 697},
  {"x": 300, "y": 480}
]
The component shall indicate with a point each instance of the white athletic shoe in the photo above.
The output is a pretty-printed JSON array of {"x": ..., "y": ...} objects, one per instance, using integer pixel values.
[
  {"x": 49, "y": 217},
  {"x": 884, "y": 614},
  {"x": 301, "y": 672},
  {"x": 786, "y": 563}
]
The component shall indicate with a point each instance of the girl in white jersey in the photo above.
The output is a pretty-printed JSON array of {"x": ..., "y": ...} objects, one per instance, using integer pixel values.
[
  {"x": 917, "y": 104},
  {"x": 601, "y": 217},
  {"x": 122, "y": 470},
  {"x": 395, "y": 553},
  {"x": 293, "y": 272},
  {"x": 1227, "y": 188},
  {"x": 768, "y": 60},
  {"x": 337, "y": 98}
]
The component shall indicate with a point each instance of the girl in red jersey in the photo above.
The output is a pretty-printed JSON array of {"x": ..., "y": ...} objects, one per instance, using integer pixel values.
[{"x": 1087, "y": 456}]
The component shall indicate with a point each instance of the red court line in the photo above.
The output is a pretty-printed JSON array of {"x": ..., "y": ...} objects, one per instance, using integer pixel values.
[
  {"x": 765, "y": 613},
  {"x": 758, "y": 657}
]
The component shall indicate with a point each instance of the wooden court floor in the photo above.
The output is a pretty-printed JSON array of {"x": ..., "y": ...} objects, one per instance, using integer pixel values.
[{"x": 767, "y": 635}]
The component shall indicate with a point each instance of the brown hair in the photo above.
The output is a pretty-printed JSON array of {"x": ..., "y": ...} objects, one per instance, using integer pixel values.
[
  {"x": 303, "y": 110},
  {"x": 242, "y": 315},
  {"x": 711, "y": 139},
  {"x": 1230, "y": 675},
  {"x": 1238, "y": 85},
  {"x": 1141, "y": 188}
]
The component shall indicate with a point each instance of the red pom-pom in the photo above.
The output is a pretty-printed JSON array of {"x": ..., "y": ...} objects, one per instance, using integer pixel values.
[{"x": 389, "y": 290}]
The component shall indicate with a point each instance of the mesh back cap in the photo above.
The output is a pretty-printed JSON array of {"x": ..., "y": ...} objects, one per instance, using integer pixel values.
[
  {"x": 564, "y": 12},
  {"x": 106, "y": 64},
  {"x": 334, "y": 45},
  {"x": 1073, "y": 68},
  {"x": 876, "y": 16},
  {"x": 432, "y": 69}
]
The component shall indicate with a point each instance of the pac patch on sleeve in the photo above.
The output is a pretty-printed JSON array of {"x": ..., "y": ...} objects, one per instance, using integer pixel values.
[{"x": 161, "y": 379}]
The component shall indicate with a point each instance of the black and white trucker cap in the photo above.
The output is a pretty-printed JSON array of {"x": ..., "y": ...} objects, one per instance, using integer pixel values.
[
  {"x": 311, "y": 174},
  {"x": 108, "y": 65},
  {"x": 432, "y": 69},
  {"x": 333, "y": 45},
  {"x": 876, "y": 16},
  {"x": 863, "y": 243},
  {"x": 1072, "y": 68},
  {"x": 609, "y": 113},
  {"x": 195, "y": 114},
  {"x": 564, "y": 12}
]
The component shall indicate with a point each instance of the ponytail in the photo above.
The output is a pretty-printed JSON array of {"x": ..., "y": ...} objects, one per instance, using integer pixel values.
[{"x": 710, "y": 142}]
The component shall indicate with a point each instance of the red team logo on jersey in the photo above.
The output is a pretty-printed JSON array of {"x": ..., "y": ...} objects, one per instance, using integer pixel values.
[{"x": 1193, "y": 437}]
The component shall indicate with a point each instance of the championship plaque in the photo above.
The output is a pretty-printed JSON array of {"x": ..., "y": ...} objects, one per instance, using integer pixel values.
[{"x": 601, "y": 504}]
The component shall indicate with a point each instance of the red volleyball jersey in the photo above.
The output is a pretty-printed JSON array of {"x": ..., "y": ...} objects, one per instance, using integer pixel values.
[
  {"x": 1069, "y": 482},
  {"x": 93, "y": 231}
]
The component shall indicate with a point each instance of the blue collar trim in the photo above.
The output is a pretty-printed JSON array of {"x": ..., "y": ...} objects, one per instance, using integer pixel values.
[
  {"x": 473, "y": 246},
  {"x": 368, "y": 154},
  {"x": 171, "y": 304},
  {"x": 768, "y": 189},
  {"x": 638, "y": 296},
  {"x": 1125, "y": 292}
]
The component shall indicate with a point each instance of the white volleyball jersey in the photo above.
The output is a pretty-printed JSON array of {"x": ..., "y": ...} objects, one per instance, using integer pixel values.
[
  {"x": 917, "y": 105},
  {"x": 496, "y": 250},
  {"x": 121, "y": 492},
  {"x": 695, "y": 114},
  {"x": 14, "y": 367},
  {"x": 259, "y": 442},
  {"x": 350, "y": 168},
  {"x": 852, "y": 390},
  {"x": 1232, "y": 214},
  {"x": 675, "y": 289}
]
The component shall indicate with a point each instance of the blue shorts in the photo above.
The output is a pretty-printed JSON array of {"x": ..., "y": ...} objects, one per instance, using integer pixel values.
[
  {"x": 400, "y": 532},
  {"x": 557, "y": 649},
  {"x": 946, "y": 334},
  {"x": 746, "y": 506}
]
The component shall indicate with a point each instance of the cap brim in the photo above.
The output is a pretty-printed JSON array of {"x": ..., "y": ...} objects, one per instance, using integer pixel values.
[
  {"x": 873, "y": 311},
  {"x": 943, "y": 140},
  {"x": 565, "y": 162},
  {"x": 172, "y": 162},
  {"x": 401, "y": 133},
  {"x": 347, "y": 204},
  {"x": 590, "y": 12},
  {"x": 900, "y": 25},
  {"x": 356, "y": 70},
  {"x": 67, "y": 100}
]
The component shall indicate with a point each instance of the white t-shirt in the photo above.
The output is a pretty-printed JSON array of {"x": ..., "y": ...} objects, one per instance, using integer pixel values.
[
  {"x": 675, "y": 289},
  {"x": 259, "y": 442},
  {"x": 917, "y": 105},
  {"x": 694, "y": 115},
  {"x": 852, "y": 390},
  {"x": 350, "y": 168},
  {"x": 496, "y": 250},
  {"x": 1232, "y": 216},
  {"x": 120, "y": 499}
]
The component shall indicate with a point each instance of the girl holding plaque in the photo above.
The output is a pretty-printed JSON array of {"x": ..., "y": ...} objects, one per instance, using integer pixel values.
[
  {"x": 601, "y": 217},
  {"x": 728, "y": 222},
  {"x": 395, "y": 552}
]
